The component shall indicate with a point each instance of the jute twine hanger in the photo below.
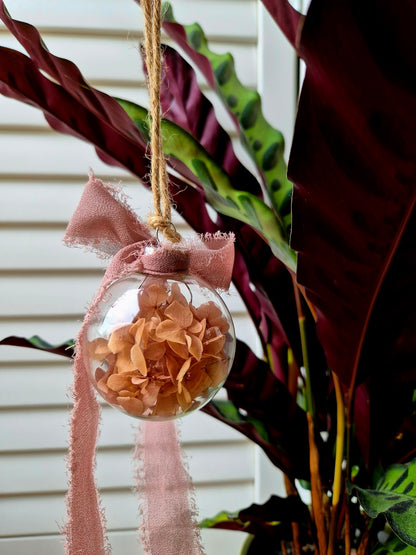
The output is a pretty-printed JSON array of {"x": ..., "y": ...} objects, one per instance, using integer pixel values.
[{"x": 161, "y": 218}]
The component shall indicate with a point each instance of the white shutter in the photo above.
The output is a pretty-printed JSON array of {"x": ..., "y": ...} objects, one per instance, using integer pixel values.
[{"x": 45, "y": 287}]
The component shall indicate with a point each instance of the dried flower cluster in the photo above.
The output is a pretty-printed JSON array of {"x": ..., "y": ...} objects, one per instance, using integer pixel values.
[{"x": 168, "y": 356}]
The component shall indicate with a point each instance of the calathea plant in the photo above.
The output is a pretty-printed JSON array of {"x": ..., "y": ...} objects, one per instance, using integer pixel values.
[{"x": 326, "y": 267}]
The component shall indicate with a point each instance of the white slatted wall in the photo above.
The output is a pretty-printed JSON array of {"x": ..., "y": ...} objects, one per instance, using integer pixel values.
[{"x": 45, "y": 287}]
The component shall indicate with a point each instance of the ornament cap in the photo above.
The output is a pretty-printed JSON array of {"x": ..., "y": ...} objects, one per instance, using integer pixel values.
[{"x": 165, "y": 260}]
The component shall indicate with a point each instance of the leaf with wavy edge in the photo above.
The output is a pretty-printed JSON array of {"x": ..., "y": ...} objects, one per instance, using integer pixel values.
[
  {"x": 264, "y": 143},
  {"x": 181, "y": 146},
  {"x": 183, "y": 103}
]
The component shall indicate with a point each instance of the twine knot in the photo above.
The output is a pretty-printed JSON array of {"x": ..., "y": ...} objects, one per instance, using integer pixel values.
[{"x": 165, "y": 226}]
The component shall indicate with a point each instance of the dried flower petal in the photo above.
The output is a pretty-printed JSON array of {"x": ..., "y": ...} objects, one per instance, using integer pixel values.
[
  {"x": 117, "y": 382},
  {"x": 217, "y": 371},
  {"x": 180, "y": 314},
  {"x": 152, "y": 296},
  {"x": 119, "y": 338},
  {"x": 136, "y": 330},
  {"x": 170, "y": 331},
  {"x": 166, "y": 406},
  {"x": 198, "y": 383},
  {"x": 97, "y": 349},
  {"x": 150, "y": 394},
  {"x": 184, "y": 398},
  {"x": 195, "y": 327},
  {"x": 195, "y": 346},
  {"x": 124, "y": 363},
  {"x": 131, "y": 405},
  {"x": 176, "y": 295},
  {"x": 173, "y": 367},
  {"x": 213, "y": 346},
  {"x": 138, "y": 360},
  {"x": 154, "y": 351},
  {"x": 184, "y": 368},
  {"x": 180, "y": 350}
]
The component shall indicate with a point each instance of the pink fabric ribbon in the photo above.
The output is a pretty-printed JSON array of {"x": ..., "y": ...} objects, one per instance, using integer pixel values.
[{"x": 104, "y": 223}]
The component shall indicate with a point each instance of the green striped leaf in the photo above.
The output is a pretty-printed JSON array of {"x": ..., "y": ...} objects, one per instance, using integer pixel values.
[
  {"x": 264, "y": 143},
  {"x": 395, "y": 497},
  {"x": 187, "y": 156}
]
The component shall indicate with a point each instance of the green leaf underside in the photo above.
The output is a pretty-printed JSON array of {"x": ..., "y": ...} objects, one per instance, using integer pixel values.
[
  {"x": 393, "y": 545},
  {"x": 264, "y": 143},
  {"x": 260, "y": 519},
  {"x": 179, "y": 144},
  {"x": 395, "y": 497},
  {"x": 231, "y": 412}
]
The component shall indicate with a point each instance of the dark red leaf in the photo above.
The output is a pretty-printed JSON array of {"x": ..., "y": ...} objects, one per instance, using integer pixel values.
[
  {"x": 67, "y": 74},
  {"x": 353, "y": 162},
  {"x": 22, "y": 80},
  {"x": 63, "y": 349}
]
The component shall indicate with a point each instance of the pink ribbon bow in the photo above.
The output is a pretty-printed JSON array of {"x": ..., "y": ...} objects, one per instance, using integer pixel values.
[{"x": 104, "y": 223}]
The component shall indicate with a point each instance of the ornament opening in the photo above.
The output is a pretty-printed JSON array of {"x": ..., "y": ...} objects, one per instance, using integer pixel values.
[{"x": 159, "y": 346}]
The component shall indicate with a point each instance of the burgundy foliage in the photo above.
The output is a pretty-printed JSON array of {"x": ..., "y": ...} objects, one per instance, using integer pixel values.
[
  {"x": 353, "y": 162},
  {"x": 64, "y": 349},
  {"x": 254, "y": 389}
]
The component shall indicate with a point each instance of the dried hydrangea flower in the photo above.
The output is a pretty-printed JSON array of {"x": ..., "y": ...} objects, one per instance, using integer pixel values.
[{"x": 170, "y": 355}]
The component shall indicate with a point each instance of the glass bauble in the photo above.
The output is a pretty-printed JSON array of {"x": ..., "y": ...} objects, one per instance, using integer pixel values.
[{"x": 159, "y": 347}]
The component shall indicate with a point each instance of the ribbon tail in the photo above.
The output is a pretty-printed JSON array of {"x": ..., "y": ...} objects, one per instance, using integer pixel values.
[
  {"x": 85, "y": 525},
  {"x": 169, "y": 517}
]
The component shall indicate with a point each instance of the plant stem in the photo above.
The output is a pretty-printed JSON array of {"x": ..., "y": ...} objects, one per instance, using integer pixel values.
[
  {"x": 339, "y": 452},
  {"x": 317, "y": 501},
  {"x": 317, "y": 505},
  {"x": 291, "y": 490},
  {"x": 304, "y": 345}
]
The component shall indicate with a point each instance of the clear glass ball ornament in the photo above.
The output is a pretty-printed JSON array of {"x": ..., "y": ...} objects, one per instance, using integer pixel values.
[{"x": 159, "y": 347}]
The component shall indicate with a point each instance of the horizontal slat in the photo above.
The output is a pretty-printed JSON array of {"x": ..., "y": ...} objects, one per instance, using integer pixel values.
[
  {"x": 27, "y": 203},
  {"x": 45, "y": 514},
  {"x": 67, "y": 294},
  {"x": 119, "y": 15},
  {"x": 43, "y": 249},
  {"x": 93, "y": 55},
  {"x": 45, "y": 472},
  {"x": 36, "y": 430},
  {"x": 21, "y": 385},
  {"x": 54, "y": 154},
  {"x": 216, "y": 542}
]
